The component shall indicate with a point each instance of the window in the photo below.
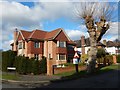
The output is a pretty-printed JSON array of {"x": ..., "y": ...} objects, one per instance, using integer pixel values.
[
  {"x": 36, "y": 56},
  {"x": 61, "y": 44},
  {"x": 61, "y": 57},
  {"x": 37, "y": 45},
  {"x": 20, "y": 45}
]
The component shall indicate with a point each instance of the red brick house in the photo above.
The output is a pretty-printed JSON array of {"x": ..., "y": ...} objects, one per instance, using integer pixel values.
[{"x": 54, "y": 45}]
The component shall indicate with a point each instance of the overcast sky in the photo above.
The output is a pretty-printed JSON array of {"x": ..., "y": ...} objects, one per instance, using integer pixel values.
[{"x": 47, "y": 16}]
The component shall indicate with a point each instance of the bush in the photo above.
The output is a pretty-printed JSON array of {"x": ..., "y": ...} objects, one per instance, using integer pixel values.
[
  {"x": 84, "y": 57},
  {"x": 43, "y": 65},
  {"x": 101, "y": 53},
  {"x": 109, "y": 59},
  {"x": 36, "y": 67},
  {"x": 8, "y": 59},
  {"x": 118, "y": 58}
]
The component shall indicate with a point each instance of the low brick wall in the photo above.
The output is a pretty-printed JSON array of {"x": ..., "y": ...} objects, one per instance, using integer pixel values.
[{"x": 67, "y": 69}]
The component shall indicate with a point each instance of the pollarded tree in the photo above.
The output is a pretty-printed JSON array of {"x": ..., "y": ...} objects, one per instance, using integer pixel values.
[{"x": 96, "y": 16}]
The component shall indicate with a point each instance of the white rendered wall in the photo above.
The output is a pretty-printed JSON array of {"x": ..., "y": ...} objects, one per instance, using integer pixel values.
[{"x": 111, "y": 50}]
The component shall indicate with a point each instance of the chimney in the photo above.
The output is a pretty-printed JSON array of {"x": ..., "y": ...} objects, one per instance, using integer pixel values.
[
  {"x": 104, "y": 42},
  {"x": 83, "y": 44},
  {"x": 15, "y": 37}
]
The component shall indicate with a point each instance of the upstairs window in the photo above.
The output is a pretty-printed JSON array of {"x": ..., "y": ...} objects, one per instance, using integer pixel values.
[
  {"x": 61, "y": 44},
  {"x": 36, "y": 44},
  {"x": 20, "y": 45}
]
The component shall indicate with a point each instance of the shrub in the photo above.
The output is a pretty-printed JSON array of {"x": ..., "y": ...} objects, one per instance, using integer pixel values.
[
  {"x": 118, "y": 58},
  {"x": 8, "y": 59},
  {"x": 84, "y": 57},
  {"x": 43, "y": 65},
  {"x": 101, "y": 53},
  {"x": 36, "y": 67},
  {"x": 109, "y": 59}
]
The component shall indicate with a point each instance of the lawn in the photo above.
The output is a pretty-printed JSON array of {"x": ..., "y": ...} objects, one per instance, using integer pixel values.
[{"x": 10, "y": 77}]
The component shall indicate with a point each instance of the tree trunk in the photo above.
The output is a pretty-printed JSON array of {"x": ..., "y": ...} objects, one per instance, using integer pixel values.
[{"x": 92, "y": 52}]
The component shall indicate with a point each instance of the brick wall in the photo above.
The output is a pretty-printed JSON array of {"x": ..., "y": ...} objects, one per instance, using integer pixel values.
[{"x": 67, "y": 69}]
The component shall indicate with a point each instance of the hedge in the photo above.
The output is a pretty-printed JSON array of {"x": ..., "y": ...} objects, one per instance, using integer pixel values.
[
  {"x": 118, "y": 58},
  {"x": 107, "y": 59},
  {"x": 8, "y": 59},
  {"x": 25, "y": 65}
]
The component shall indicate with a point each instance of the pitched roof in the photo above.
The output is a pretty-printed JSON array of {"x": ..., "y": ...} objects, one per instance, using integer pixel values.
[
  {"x": 108, "y": 43},
  {"x": 100, "y": 44},
  {"x": 40, "y": 34},
  {"x": 72, "y": 42},
  {"x": 25, "y": 34},
  {"x": 52, "y": 34}
]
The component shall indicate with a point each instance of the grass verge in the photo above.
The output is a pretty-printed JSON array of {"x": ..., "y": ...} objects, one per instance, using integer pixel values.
[
  {"x": 74, "y": 75},
  {"x": 10, "y": 77}
]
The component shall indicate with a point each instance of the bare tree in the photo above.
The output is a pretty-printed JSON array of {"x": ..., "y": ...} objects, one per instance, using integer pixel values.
[{"x": 96, "y": 16}]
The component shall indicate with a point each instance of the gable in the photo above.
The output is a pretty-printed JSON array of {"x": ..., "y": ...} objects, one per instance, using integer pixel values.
[
  {"x": 61, "y": 37},
  {"x": 19, "y": 37}
]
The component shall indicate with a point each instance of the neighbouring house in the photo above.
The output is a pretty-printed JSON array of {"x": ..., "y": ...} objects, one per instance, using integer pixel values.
[
  {"x": 54, "y": 45},
  {"x": 111, "y": 47}
]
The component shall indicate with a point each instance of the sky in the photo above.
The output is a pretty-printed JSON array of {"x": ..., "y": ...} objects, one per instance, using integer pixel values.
[{"x": 47, "y": 15}]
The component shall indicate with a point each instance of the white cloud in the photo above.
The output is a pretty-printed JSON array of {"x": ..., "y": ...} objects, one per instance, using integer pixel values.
[
  {"x": 6, "y": 45},
  {"x": 76, "y": 34},
  {"x": 112, "y": 33}
]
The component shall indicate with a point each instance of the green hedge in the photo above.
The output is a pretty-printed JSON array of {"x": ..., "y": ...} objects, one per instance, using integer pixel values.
[
  {"x": 23, "y": 65},
  {"x": 107, "y": 59},
  {"x": 27, "y": 66},
  {"x": 118, "y": 58},
  {"x": 8, "y": 59},
  {"x": 43, "y": 65}
]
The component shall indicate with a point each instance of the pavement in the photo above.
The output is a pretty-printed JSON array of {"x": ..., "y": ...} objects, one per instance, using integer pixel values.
[
  {"x": 28, "y": 80},
  {"x": 32, "y": 78}
]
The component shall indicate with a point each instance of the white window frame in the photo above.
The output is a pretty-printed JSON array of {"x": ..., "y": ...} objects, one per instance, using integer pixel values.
[
  {"x": 58, "y": 57},
  {"x": 20, "y": 44},
  {"x": 35, "y": 44},
  {"x": 59, "y": 42}
]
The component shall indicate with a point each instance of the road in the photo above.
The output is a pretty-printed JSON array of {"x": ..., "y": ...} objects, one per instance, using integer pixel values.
[{"x": 106, "y": 80}]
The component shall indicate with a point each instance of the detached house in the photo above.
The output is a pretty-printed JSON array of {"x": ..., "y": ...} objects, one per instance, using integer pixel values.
[{"x": 54, "y": 45}]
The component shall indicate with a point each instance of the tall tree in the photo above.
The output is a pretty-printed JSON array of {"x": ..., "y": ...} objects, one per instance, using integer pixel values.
[{"x": 96, "y": 16}]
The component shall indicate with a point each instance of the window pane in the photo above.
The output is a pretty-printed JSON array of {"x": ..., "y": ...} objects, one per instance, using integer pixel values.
[
  {"x": 20, "y": 45},
  {"x": 62, "y": 44},
  {"x": 36, "y": 45},
  {"x": 61, "y": 57}
]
